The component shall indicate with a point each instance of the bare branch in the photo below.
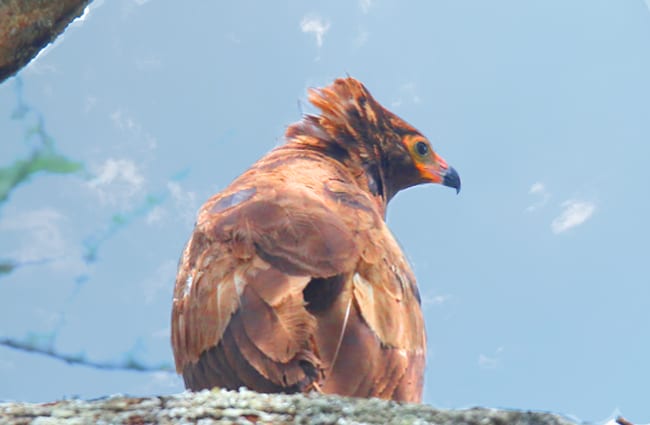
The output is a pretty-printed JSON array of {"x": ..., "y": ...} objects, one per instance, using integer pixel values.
[{"x": 129, "y": 364}]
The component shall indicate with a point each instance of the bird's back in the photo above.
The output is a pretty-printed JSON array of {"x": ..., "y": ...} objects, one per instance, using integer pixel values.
[{"x": 291, "y": 281}]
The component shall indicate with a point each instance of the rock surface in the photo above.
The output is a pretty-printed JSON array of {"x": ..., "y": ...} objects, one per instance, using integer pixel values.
[
  {"x": 247, "y": 407},
  {"x": 27, "y": 26}
]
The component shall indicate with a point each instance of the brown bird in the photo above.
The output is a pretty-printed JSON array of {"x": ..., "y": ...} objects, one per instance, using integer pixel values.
[{"x": 291, "y": 280}]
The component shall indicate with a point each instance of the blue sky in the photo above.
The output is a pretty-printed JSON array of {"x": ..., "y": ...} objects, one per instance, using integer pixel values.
[{"x": 535, "y": 279}]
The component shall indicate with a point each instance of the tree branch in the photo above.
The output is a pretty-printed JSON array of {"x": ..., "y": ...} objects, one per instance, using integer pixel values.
[
  {"x": 128, "y": 364},
  {"x": 27, "y": 26}
]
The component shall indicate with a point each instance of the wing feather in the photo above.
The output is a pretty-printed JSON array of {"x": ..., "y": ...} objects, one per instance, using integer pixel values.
[{"x": 279, "y": 330}]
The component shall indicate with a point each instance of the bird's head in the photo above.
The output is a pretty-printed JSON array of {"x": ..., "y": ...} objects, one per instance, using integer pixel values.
[{"x": 355, "y": 129}]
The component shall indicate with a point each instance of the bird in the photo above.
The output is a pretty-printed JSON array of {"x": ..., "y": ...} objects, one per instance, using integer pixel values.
[{"x": 291, "y": 280}]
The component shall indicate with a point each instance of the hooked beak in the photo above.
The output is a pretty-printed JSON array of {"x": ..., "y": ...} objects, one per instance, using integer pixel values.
[
  {"x": 451, "y": 179},
  {"x": 442, "y": 173}
]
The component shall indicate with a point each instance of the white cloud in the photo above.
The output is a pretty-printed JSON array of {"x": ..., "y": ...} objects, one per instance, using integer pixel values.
[
  {"x": 39, "y": 232},
  {"x": 538, "y": 189},
  {"x": 486, "y": 362},
  {"x": 89, "y": 103},
  {"x": 185, "y": 201},
  {"x": 362, "y": 38},
  {"x": 315, "y": 25},
  {"x": 408, "y": 93},
  {"x": 490, "y": 362},
  {"x": 117, "y": 181},
  {"x": 42, "y": 237},
  {"x": 647, "y": 3},
  {"x": 182, "y": 208},
  {"x": 574, "y": 214},
  {"x": 123, "y": 121},
  {"x": 365, "y": 5},
  {"x": 178, "y": 193},
  {"x": 156, "y": 215},
  {"x": 118, "y": 169},
  {"x": 435, "y": 299}
]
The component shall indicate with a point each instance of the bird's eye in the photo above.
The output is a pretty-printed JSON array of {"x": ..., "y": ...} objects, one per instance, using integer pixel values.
[{"x": 421, "y": 148}]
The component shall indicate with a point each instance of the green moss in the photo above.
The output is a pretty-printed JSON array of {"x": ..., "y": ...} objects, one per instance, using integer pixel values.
[{"x": 43, "y": 160}]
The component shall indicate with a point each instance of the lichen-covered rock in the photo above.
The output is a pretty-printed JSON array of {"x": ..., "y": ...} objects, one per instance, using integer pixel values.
[
  {"x": 248, "y": 407},
  {"x": 27, "y": 26}
]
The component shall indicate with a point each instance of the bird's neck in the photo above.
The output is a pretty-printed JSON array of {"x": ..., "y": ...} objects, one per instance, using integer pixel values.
[
  {"x": 369, "y": 166},
  {"x": 370, "y": 178},
  {"x": 364, "y": 170}
]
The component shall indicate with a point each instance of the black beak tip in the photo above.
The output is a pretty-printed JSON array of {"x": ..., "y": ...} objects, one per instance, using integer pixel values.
[{"x": 452, "y": 179}]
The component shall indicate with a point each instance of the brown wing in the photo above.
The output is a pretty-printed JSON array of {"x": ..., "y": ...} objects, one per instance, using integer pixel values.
[{"x": 287, "y": 290}]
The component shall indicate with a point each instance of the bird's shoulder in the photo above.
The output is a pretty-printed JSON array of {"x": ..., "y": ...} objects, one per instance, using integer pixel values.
[{"x": 302, "y": 216}]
